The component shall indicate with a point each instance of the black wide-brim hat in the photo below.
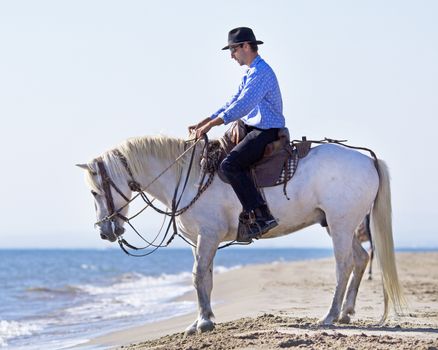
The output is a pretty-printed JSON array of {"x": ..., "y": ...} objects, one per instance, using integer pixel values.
[{"x": 241, "y": 35}]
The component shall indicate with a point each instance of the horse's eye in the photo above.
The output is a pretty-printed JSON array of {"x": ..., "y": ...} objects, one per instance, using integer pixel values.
[{"x": 94, "y": 193}]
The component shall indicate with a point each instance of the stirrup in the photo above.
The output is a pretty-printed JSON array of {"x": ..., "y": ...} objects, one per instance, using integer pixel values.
[
  {"x": 251, "y": 227},
  {"x": 259, "y": 227},
  {"x": 245, "y": 219}
]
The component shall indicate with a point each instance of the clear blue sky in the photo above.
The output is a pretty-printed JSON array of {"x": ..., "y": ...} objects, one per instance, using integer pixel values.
[{"x": 78, "y": 77}]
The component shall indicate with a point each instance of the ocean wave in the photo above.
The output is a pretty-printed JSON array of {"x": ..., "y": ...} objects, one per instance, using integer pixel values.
[
  {"x": 68, "y": 289},
  {"x": 88, "y": 267},
  {"x": 13, "y": 329},
  {"x": 134, "y": 281},
  {"x": 222, "y": 269},
  {"x": 131, "y": 294},
  {"x": 129, "y": 276}
]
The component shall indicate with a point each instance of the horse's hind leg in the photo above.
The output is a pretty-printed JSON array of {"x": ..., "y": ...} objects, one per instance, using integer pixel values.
[
  {"x": 370, "y": 269},
  {"x": 344, "y": 264},
  {"x": 203, "y": 282},
  {"x": 360, "y": 258}
]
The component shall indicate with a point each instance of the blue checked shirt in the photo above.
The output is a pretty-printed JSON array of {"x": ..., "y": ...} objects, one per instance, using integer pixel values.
[{"x": 258, "y": 101}]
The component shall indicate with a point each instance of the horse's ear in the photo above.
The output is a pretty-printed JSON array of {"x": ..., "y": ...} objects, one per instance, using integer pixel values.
[
  {"x": 86, "y": 167},
  {"x": 83, "y": 166}
]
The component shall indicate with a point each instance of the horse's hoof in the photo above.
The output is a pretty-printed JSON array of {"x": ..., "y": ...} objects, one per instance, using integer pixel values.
[
  {"x": 344, "y": 319},
  {"x": 205, "y": 326},
  {"x": 326, "y": 321},
  {"x": 190, "y": 330}
]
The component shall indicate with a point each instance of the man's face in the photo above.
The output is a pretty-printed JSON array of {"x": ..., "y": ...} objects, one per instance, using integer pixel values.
[{"x": 238, "y": 53}]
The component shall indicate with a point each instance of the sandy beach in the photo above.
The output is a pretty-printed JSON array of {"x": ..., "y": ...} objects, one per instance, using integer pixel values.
[{"x": 276, "y": 306}]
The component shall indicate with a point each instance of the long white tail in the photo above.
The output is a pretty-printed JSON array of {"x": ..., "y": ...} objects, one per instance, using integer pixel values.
[{"x": 381, "y": 221}]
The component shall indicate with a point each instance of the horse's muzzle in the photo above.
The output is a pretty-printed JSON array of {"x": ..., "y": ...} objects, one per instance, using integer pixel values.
[
  {"x": 109, "y": 230},
  {"x": 108, "y": 236},
  {"x": 104, "y": 236}
]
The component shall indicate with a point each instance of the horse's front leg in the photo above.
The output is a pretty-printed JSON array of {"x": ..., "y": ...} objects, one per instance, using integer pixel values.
[{"x": 203, "y": 283}]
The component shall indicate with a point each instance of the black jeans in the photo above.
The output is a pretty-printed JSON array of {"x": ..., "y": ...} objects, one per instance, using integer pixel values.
[{"x": 236, "y": 165}]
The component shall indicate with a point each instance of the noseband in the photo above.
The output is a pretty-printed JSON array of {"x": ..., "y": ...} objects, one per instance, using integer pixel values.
[{"x": 107, "y": 183}]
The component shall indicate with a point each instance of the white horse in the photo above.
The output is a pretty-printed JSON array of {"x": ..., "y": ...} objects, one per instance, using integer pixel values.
[{"x": 332, "y": 184}]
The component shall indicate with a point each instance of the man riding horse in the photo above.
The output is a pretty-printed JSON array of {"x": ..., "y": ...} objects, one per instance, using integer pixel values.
[{"x": 258, "y": 104}]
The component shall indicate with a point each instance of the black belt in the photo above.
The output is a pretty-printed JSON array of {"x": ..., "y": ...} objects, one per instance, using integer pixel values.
[{"x": 250, "y": 128}]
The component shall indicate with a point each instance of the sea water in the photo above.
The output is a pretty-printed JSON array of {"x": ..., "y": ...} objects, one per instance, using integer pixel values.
[{"x": 52, "y": 299}]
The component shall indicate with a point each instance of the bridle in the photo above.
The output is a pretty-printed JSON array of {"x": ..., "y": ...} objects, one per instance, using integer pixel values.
[{"x": 107, "y": 183}]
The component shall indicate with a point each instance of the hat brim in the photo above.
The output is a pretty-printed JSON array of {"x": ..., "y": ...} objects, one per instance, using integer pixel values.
[{"x": 258, "y": 42}]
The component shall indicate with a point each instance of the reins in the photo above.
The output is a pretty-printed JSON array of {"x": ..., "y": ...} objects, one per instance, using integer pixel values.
[
  {"x": 175, "y": 211},
  {"x": 134, "y": 185}
]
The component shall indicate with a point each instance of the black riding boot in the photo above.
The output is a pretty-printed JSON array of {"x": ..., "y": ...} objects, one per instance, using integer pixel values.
[{"x": 261, "y": 222}]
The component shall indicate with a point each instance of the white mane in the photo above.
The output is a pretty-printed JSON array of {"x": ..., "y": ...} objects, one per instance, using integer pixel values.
[{"x": 137, "y": 150}]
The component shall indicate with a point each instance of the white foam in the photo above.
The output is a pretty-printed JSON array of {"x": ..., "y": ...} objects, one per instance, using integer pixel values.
[
  {"x": 222, "y": 269},
  {"x": 88, "y": 267},
  {"x": 134, "y": 281},
  {"x": 13, "y": 329},
  {"x": 133, "y": 295}
]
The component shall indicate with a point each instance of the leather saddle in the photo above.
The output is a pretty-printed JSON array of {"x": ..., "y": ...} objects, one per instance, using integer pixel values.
[{"x": 279, "y": 161}]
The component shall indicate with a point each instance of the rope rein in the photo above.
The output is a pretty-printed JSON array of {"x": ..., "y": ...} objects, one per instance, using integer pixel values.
[{"x": 136, "y": 187}]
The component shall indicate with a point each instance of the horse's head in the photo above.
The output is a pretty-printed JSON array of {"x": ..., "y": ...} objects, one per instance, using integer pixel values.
[{"x": 111, "y": 199}]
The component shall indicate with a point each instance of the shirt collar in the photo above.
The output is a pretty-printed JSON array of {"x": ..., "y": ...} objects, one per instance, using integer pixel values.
[{"x": 255, "y": 61}]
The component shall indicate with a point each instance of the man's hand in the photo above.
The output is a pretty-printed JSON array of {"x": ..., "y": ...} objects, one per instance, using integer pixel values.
[
  {"x": 203, "y": 130},
  {"x": 193, "y": 128},
  {"x": 204, "y": 126}
]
